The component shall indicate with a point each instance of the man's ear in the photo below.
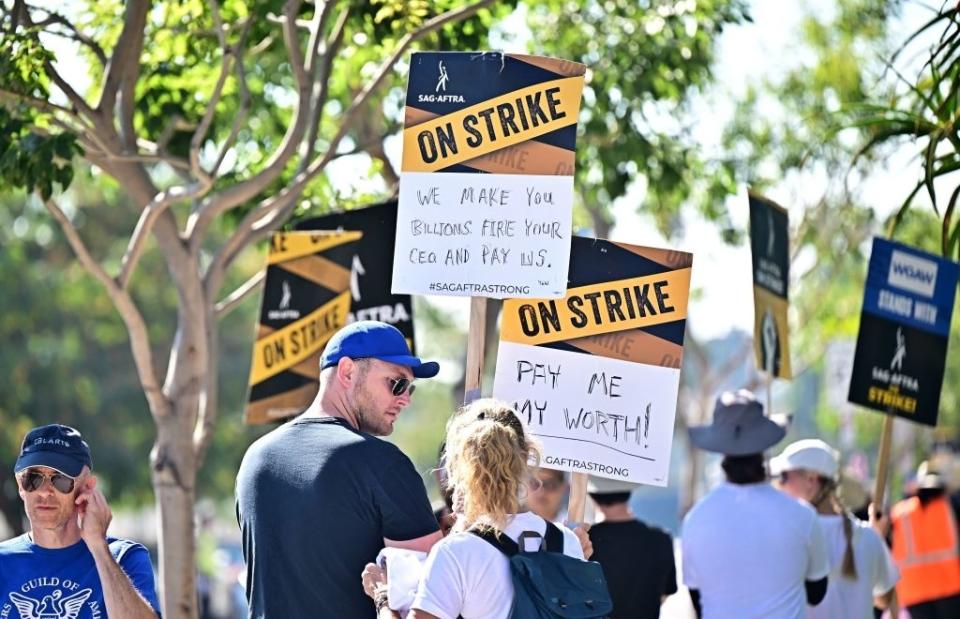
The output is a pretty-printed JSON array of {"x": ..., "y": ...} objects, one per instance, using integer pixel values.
[{"x": 346, "y": 371}]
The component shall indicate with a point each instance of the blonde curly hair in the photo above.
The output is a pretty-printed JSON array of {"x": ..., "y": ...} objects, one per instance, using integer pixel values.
[{"x": 489, "y": 458}]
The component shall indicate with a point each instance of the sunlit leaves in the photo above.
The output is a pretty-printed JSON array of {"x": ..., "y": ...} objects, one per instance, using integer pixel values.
[{"x": 34, "y": 161}]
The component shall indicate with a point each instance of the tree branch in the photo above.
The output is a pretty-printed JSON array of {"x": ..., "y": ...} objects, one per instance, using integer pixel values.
[
  {"x": 209, "y": 396},
  {"x": 148, "y": 217},
  {"x": 73, "y": 33},
  {"x": 129, "y": 313},
  {"x": 43, "y": 106},
  {"x": 271, "y": 212},
  {"x": 124, "y": 67},
  {"x": 235, "y": 298},
  {"x": 321, "y": 86},
  {"x": 200, "y": 134},
  {"x": 244, "y": 105},
  {"x": 239, "y": 193}
]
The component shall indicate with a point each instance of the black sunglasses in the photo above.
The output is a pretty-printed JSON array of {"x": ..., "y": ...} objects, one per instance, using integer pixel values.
[
  {"x": 399, "y": 386},
  {"x": 32, "y": 480}
]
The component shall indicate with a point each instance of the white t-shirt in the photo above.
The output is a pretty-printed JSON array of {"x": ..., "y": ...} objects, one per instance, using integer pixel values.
[
  {"x": 748, "y": 549},
  {"x": 876, "y": 572},
  {"x": 467, "y": 576}
]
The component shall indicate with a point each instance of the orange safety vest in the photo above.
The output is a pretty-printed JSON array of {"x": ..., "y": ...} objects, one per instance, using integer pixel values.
[{"x": 925, "y": 550}]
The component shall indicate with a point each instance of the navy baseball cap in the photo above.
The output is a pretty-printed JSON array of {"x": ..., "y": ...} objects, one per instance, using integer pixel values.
[
  {"x": 378, "y": 340},
  {"x": 54, "y": 446}
]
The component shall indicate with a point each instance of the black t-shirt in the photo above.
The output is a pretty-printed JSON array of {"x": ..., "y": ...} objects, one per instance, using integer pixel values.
[
  {"x": 637, "y": 562},
  {"x": 315, "y": 498}
]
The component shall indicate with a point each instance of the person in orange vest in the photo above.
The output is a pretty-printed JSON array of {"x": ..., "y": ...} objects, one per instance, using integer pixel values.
[{"x": 926, "y": 548}]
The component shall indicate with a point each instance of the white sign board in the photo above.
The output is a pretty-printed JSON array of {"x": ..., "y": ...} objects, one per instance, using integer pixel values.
[
  {"x": 593, "y": 414},
  {"x": 483, "y": 235},
  {"x": 486, "y": 175}
]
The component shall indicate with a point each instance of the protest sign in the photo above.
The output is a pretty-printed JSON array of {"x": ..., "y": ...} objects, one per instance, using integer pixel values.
[
  {"x": 595, "y": 375},
  {"x": 306, "y": 299},
  {"x": 486, "y": 183},
  {"x": 371, "y": 265},
  {"x": 904, "y": 327},
  {"x": 770, "y": 249}
]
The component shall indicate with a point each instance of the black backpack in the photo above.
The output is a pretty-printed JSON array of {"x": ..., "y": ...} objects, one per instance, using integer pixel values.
[{"x": 548, "y": 584}]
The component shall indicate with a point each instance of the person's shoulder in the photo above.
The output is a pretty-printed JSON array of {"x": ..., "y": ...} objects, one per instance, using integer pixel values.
[
  {"x": 703, "y": 508},
  {"x": 122, "y": 548},
  {"x": 656, "y": 532},
  {"x": 789, "y": 505},
  {"x": 868, "y": 533}
]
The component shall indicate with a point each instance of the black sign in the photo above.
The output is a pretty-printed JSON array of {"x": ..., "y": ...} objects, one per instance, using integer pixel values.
[
  {"x": 770, "y": 249},
  {"x": 904, "y": 327},
  {"x": 372, "y": 265}
]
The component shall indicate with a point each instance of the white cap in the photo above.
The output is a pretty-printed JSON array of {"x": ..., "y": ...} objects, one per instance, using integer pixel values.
[{"x": 810, "y": 454}]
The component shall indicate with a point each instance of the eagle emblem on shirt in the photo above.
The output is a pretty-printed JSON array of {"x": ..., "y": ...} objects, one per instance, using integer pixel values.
[{"x": 51, "y": 606}]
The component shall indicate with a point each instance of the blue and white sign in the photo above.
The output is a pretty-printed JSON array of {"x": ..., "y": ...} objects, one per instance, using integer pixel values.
[{"x": 904, "y": 327}]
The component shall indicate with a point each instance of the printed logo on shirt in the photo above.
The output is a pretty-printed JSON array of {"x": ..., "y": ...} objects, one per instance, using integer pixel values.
[{"x": 50, "y": 598}]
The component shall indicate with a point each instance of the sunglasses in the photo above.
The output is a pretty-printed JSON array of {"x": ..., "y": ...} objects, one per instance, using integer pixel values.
[
  {"x": 32, "y": 480},
  {"x": 399, "y": 386},
  {"x": 551, "y": 485}
]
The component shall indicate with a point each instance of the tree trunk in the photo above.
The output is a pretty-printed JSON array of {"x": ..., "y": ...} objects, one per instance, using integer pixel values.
[{"x": 174, "y": 478}]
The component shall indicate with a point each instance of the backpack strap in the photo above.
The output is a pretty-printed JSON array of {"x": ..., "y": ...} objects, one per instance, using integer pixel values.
[
  {"x": 554, "y": 538},
  {"x": 498, "y": 540},
  {"x": 552, "y": 541}
]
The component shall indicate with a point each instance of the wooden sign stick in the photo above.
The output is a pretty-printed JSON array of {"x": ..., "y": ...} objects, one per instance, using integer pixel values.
[
  {"x": 476, "y": 338},
  {"x": 578, "y": 497},
  {"x": 883, "y": 460}
]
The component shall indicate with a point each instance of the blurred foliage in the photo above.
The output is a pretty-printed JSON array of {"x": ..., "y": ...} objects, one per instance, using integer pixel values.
[
  {"x": 67, "y": 359},
  {"x": 645, "y": 61},
  {"x": 837, "y": 117},
  {"x": 922, "y": 115}
]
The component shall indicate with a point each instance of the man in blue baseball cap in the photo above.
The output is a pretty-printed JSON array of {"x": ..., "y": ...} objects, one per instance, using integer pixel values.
[
  {"x": 319, "y": 497},
  {"x": 67, "y": 566}
]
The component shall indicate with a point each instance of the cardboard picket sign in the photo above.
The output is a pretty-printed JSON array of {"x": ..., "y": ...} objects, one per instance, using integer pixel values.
[
  {"x": 306, "y": 299},
  {"x": 770, "y": 250},
  {"x": 595, "y": 375},
  {"x": 486, "y": 182},
  {"x": 371, "y": 265},
  {"x": 901, "y": 349}
]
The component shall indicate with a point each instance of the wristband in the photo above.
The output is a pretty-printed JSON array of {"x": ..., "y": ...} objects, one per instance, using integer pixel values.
[{"x": 381, "y": 599}]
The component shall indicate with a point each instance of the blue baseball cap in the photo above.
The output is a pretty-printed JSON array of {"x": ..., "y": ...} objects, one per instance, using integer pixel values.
[
  {"x": 54, "y": 446},
  {"x": 368, "y": 339}
]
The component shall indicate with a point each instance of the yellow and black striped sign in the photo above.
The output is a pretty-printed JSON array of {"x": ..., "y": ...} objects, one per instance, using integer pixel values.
[
  {"x": 306, "y": 299},
  {"x": 494, "y": 113},
  {"x": 638, "y": 316}
]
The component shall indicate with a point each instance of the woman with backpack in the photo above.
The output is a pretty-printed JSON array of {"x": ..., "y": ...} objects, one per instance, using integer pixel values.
[{"x": 472, "y": 572}]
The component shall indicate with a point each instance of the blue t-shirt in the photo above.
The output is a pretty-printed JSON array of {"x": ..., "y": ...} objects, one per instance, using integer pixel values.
[
  {"x": 38, "y": 582},
  {"x": 315, "y": 499}
]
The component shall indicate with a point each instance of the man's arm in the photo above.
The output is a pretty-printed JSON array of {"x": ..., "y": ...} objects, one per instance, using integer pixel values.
[{"x": 120, "y": 597}]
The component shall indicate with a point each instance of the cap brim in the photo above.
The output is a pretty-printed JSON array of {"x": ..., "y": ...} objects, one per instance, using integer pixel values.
[
  {"x": 61, "y": 462},
  {"x": 420, "y": 369},
  {"x": 750, "y": 441}
]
